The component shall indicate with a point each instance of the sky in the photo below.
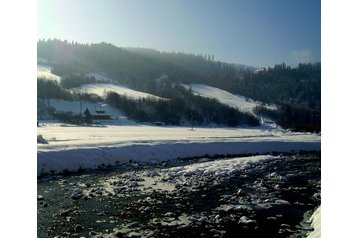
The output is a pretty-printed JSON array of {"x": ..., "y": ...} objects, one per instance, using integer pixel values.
[{"x": 251, "y": 32}]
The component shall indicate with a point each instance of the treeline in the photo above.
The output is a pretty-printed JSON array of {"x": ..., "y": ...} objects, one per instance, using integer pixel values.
[
  {"x": 293, "y": 118},
  {"x": 134, "y": 67},
  {"x": 176, "y": 111},
  {"x": 74, "y": 81},
  {"x": 298, "y": 86},
  {"x": 47, "y": 88}
]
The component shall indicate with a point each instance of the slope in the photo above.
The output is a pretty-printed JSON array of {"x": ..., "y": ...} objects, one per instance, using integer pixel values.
[{"x": 236, "y": 101}]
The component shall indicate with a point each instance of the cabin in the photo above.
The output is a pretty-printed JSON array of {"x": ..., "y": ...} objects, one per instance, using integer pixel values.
[{"x": 97, "y": 114}]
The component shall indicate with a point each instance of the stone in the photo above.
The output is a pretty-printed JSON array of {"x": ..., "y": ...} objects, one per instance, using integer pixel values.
[
  {"x": 65, "y": 212},
  {"x": 246, "y": 220},
  {"x": 79, "y": 228},
  {"x": 118, "y": 234}
]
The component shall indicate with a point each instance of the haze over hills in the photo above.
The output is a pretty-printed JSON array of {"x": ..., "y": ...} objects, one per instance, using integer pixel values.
[{"x": 296, "y": 91}]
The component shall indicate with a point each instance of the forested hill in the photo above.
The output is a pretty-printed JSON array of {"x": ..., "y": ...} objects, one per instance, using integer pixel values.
[
  {"x": 296, "y": 89},
  {"x": 135, "y": 67}
]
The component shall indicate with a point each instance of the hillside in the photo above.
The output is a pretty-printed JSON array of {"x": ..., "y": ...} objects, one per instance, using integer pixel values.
[
  {"x": 137, "y": 68},
  {"x": 45, "y": 71},
  {"x": 244, "y": 104},
  {"x": 294, "y": 90}
]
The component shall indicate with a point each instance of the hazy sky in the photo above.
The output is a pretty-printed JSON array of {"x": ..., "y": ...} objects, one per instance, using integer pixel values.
[{"x": 252, "y": 32}]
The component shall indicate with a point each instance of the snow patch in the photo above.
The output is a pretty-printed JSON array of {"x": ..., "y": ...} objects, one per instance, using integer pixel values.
[
  {"x": 219, "y": 167},
  {"x": 102, "y": 89},
  {"x": 236, "y": 101},
  {"x": 44, "y": 71}
]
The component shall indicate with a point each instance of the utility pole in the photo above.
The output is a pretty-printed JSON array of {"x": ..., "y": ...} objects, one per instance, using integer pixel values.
[
  {"x": 79, "y": 95},
  {"x": 191, "y": 121},
  {"x": 81, "y": 111}
]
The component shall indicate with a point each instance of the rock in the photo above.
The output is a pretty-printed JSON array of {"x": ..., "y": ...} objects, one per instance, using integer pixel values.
[
  {"x": 119, "y": 189},
  {"x": 169, "y": 214},
  {"x": 132, "y": 184},
  {"x": 77, "y": 193},
  {"x": 246, "y": 220},
  {"x": 179, "y": 206},
  {"x": 152, "y": 173},
  {"x": 116, "y": 182},
  {"x": 76, "y": 196},
  {"x": 40, "y": 198},
  {"x": 272, "y": 218},
  {"x": 133, "y": 225},
  {"x": 65, "y": 213},
  {"x": 95, "y": 234},
  {"x": 277, "y": 187},
  {"x": 285, "y": 226},
  {"x": 43, "y": 204},
  {"x": 79, "y": 228},
  {"x": 118, "y": 234},
  {"x": 41, "y": 140},
  {"x": 281, "y": 201},
  {"x": 317, "y": 196}
]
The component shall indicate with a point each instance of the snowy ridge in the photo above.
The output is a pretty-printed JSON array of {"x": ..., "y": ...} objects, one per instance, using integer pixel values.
[
  {"x": 87, "y": 148},
  {"x": 236, "y": 101},
  {"x": 101, "y": 89}
]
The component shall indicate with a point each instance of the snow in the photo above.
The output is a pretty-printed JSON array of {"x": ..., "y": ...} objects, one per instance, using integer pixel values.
[
  {"x": 44, "y": 71},
  {"x": 71, "y": 148},
  {"x": 237, "y": 101},
  {"x": 101, "y": 89},
  {"x": 315, "y": 224},
  {"x": 218, "y": 167}
]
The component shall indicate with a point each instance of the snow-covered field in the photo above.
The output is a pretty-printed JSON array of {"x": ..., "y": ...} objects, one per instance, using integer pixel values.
[
  {"x": 236, "y": 101},
  {"x": 71, "y": 148},
  {"x": 101, "y": 89},
  {"x": 44, "y": 71}
]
